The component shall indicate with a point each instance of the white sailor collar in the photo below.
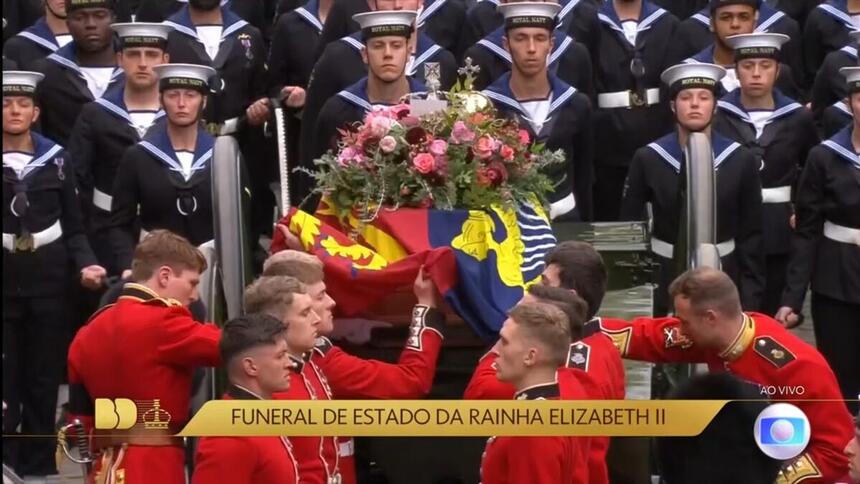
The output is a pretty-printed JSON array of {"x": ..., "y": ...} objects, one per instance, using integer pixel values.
[
  {"x": 669, "y": 149},
  {"x": 114, "y": 102},
  {"x": 494, "y": 43},
  {"x": 41, "y": 34},
  {"x": 431, "y": 7},
  {"x": 500, "y": 91},
  {"x": 181, "y": 22},
  {"x": 841, "y": 144},
  {"x": 783, "y": 105},
  {"x": 44, "y": 151},
  {"x": 310, "y": 14},
  {"x": 65, "y": 57},
  {"x": 850, "y": 51},
  {"x": 843, "y": 108},
  {"x": 838, "y": 9},
  {"x": 767, "y": 17},
  {"x": 649, "y": 14},
  {"x": 356, "y": 94},
  {"x": 706, "y": 55},
  {"x": 157, "y": 143}
]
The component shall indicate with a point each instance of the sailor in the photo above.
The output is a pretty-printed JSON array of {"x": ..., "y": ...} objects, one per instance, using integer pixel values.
[
  {"x": 81, "y": 71},
  {"x": 826, "y": 252},
  {"x": 252, "y": 11},
  {"x": 779, "y": 133},
  {"x": 551, "y": 111},
  {"x": 829, "y": 86},
  {"x": 635, "y": 41},
  {"x": 44, "y": 37},
  {"x": 826, "y": 30},
  {"x": 694, "y": 34},
  {"x": 386, "y": 52},
  {"x": 736, "y": 17},
  {"x": 18, "y": 15},
  {"x": 656, "y": 176},
  {"x": 42, "y": 232},
  {"x": 834, "y": 118},
  {"x": 164, "y": 182},
  {"x": 108, "y": 126}
]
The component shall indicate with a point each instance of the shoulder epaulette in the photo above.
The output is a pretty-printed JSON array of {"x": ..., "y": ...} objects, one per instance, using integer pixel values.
[
  {"x": 323, "y": 346},
  {"x": 769, "y": 349},
  {"x": 163, "y": 301},
  {"x": 799, "y": 470},
  {"x": 578, "y": 355},
  {"x": 99, "y": 311},
  {"x": 620, "y": 338}
]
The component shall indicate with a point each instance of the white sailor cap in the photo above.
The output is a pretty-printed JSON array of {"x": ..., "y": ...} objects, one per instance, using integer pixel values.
[
  {"x": 21, "y": 83},
  {"x": 851, "y": 74},
  {"x": 757, "y": 45},
  {"x": 692, "y": 76},
  {"x": 529, "y": 14},
  {"x": 184, "y": 76},
  {"x": 386, "y": 22},
  {"x": 141, "y": 34}
]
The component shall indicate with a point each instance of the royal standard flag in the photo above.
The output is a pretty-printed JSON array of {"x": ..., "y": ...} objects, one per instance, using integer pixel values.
[{"x": 481, "y": 261}]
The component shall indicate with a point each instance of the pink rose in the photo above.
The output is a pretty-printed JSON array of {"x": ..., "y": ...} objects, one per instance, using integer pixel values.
[
  {"x": 379, "y": 126},
  {"x": 410, "y": 121},
  {"x": 507, "y": 152},
  {"x": 387, "y": 144},
  {"x": 484, "y": 147},
  {"x": 424, "y": 163},
  {"x": 461, "y": 133},
  {"x": 400, "y": 111},
  {"x": 524, "y": 137},
  {"x": 438, "y": 147},
  {"x": 347, "y": 156},
  {"x": 442, "y": 166}
]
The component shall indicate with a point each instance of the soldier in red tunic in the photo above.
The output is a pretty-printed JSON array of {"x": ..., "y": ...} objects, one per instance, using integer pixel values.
[
  {"x": 254, "y": 351},
  {"x": 533, "y": 344},
  {"x": 710, "y": 327},
  {"x": 145, "y": 348}
]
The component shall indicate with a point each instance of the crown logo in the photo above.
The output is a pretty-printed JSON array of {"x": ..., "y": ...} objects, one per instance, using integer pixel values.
[{"x": 155, "y": 418}]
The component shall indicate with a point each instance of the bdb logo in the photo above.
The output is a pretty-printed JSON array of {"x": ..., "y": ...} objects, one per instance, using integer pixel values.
[
  {"x": 124, "y": 413},
  {"x": 782, "y": 431}
]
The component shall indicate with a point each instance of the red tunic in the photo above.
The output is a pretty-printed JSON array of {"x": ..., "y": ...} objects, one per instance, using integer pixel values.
[
  {"x": 539, "y": 460},
  {"x": 244, "y": 460},
  {"x": 767, "y": 354},
  {"x": 142, "y": 348}
]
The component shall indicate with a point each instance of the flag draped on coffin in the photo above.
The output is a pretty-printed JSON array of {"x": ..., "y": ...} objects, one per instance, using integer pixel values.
[{"x": 481, "y": 261}]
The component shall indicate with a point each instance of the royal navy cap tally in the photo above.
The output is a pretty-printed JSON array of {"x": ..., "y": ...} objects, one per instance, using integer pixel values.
[
  {"x": 713, "y": 5},
  {"x": 851, "y": 74},
  {"x": 184, "y": 76},
  {"x": 141, "y": 34},
  {"x": 692, "y": 76},
  {"x": 529, "y": 14},
  {"x": 20, "y": 83},
  {"x": 81, "y": 4},
  {"x": 757, "y": 45},
  {"x": 383, "y": 23}
]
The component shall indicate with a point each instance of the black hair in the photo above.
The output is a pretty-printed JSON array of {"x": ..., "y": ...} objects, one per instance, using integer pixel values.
[{"x": 249, "y": 331}]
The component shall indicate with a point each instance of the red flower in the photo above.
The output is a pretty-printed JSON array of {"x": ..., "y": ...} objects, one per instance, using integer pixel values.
[
  {"x": 493, "y": 174},
  {"x": 424, "y": 163},
  {"x": 416, "y": 136},
  {"x": 524, "y": 137},
  {"x": 507, "y": 152}
]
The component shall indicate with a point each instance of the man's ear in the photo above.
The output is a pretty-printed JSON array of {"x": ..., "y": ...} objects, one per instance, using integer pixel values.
[
  {"x": 119, "y": 57},
  {"x": 249, "y": 366},
  {"x": 505, "y": 43},
  {"x": 164, "y": 273},
  {"x": 364, "y": 55},
  {"x": 36, "y": 113},
  {"x": 711, "y": 24},
  {"x": 672, "y": 106},
  {"x": 530, "y": 359},
  {"x": 166, "y": 58},
  {"x": 551, "y": 42}
]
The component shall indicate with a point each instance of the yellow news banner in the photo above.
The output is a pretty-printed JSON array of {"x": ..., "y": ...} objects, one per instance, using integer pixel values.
[{"x": 435, "y": 418}]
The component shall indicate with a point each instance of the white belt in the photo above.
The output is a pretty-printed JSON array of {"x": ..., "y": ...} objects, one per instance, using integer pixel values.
[
  {"x": 838, "y": 233},
  {"x": 776, "y": 195},
  {"x": 665, "y": 249},
  {"x": 102, "y": 200},
  {"x": 561, "y": 207},
  {"x": 628, "y": 99},
  {"x": 40, "y": 239},
  {"x": 346, "y": 449}
]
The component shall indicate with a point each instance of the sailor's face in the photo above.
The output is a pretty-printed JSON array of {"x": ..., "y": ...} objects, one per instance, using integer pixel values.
[
  {"x": 397, "y": 4},
  {"x": 90, "y": 28},
  {"x": 57, "y": 7},
  {"x": 694, "y": 108},
  {"x": 182, "y": 106},
  {"x": 529, "y": 48},
  {"x": 733, "y": 20},
  {"x": 137, "y": 63},
  {"x": 386, "y": 57},
  {"x": 757, "y": 76},
  {"x": 19, "y": 113}
]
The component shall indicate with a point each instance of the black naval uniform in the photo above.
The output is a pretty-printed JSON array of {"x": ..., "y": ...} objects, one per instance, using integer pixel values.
[
  {"x": 63, "y": 93},
  {"x": 829, "y": 86},
  {"x": 156, "y": 11},
  {"x": 341, "y": 66},
  {"x": 694, "y": 34},
  {"x": 578, "y": 18},
  {"x": 783, "y": 144},
  {"x": 567, "y": 127},
  {"x": 150, "y": 176},
  {"x": 31, "y": 45},
  {"x": 655, "y": 176},
  {"x": 41, "y": 208},
  {"x": 828, "y": 257},
  {"x": 569, "y": 60},
  {"x": 785, "y": 81},
  {"x": 826, "y": 30},
  {"x": 442, "y": 20},
  {"x": 101, "y": 136},
  {"x": 620, "y": 131},
  {"x": 347, "y": 107},
  {"x": 19, "y": 14},
  {"x": 835, "y": 118}
]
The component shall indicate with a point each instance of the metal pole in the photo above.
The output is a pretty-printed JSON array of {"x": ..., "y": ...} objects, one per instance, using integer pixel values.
[{"x": 701, "y": 207}]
